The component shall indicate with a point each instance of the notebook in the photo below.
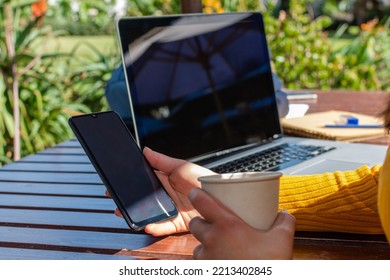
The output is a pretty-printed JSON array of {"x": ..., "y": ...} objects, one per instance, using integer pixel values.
[
  {"x": 200, "y": 88},
  {"x": 332, "y": 125}
]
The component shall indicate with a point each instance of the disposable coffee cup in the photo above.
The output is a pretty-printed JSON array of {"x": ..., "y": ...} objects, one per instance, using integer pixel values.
[{"x": 253, "y": 196}]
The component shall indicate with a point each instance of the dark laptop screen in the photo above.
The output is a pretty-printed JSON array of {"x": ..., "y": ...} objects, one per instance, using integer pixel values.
[{"x": 199, "y": 83}]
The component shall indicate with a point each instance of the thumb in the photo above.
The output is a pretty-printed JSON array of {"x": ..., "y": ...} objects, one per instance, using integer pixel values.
[{"x": 285, "y": 220}]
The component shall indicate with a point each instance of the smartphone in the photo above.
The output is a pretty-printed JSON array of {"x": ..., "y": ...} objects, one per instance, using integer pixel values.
[{"x": 120, "y": 163}]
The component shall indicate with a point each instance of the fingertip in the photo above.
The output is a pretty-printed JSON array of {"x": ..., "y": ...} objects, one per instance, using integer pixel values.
[
  {"x": 118, "y": 213},
  {"x": 163, "y": 229},
  {"x": 196, "y": 252},
  {"x": 287, "y": 214},
  {"x": 194, "y": 221},
  {"x": 147, "y": 152},
  {"x": 150, "y": 229},
  {"x": 284, "y": 218},
  {"x": 193, "y": 193}
]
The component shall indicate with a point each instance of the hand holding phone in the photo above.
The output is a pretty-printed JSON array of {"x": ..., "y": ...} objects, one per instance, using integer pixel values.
[{"x": 132, "y": 183}]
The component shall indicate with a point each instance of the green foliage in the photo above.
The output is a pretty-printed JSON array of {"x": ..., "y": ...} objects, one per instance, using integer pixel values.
[
  {"x": 96, "y": 17},
  {"x": 79, "y": 17},
  {"x": 299, "y": 47},
  {"x": 366, "y": 59},
  {"x": 18, "y": 32},
  {"x": 34, "y": 75},
  {"x": 303, "y": 57},
  {"x": 89, "y": 77},
  {"x": 44, "y": 110},
  {"x": 240, "y": 5},
  {"x": 354, "y": 11},
  {"x": 152, "y": 7}
]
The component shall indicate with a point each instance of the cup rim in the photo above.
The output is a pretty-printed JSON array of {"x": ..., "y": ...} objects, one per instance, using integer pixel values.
[{"x": 240, "y": 177}]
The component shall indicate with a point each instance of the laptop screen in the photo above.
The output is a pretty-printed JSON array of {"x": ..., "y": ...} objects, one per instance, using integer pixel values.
[{"x": 199, "y": 84}]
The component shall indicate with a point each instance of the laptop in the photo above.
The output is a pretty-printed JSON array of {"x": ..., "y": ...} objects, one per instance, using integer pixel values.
[{"x": 200, "y": 88}]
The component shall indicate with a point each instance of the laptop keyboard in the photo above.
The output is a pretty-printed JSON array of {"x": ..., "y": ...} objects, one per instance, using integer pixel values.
[{"x": 273, "y": 159}]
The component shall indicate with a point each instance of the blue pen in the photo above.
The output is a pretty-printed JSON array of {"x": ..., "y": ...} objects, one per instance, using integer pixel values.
[{"x": 353, "y": 126}]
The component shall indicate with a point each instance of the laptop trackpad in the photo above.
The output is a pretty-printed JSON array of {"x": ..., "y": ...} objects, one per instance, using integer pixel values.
[{"x": 329, "y": 165}]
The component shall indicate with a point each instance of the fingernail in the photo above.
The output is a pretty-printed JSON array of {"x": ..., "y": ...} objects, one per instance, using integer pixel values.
[{"x": 147, "y": 149}]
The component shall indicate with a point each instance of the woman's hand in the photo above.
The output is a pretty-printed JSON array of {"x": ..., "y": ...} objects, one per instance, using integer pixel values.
[
  {"x": 178, "y": 177},
  {"x": 223, "y": 235}
]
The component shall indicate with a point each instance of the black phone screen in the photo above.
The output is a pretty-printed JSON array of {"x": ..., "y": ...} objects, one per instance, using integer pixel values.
[{"x": 131, "y": 181}]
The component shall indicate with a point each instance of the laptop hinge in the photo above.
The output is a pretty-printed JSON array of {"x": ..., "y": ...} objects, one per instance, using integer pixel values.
[{"x": 206, "y": 159}]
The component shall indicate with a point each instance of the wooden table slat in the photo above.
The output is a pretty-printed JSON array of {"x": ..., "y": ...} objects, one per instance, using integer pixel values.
[
  {"x": 51, "y": 177},
  {"x": 31, "y": 254},
  {"x": 95, "y": 190},
  {"x": 54, "y": 158},
  {"x": 64, "y": 219},
  {"x": 49, "y": 167},
  {"x": 78, "y": 240},
  {"x": 62, "y": 150},
  {"x": 57, "y": 202},
  {"x": 73, "y": 143}
]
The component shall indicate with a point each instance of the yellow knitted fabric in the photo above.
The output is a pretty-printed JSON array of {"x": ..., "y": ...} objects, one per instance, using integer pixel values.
[
  {"x": 384, "y": 196},
  {"x": 339, "y": 201}
]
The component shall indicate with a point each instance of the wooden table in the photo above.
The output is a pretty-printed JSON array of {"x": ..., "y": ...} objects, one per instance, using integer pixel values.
[{"x": 52, "y": 206}]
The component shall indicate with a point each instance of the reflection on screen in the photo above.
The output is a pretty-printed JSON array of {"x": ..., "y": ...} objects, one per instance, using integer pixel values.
[{"x": 202, "y": 81}]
